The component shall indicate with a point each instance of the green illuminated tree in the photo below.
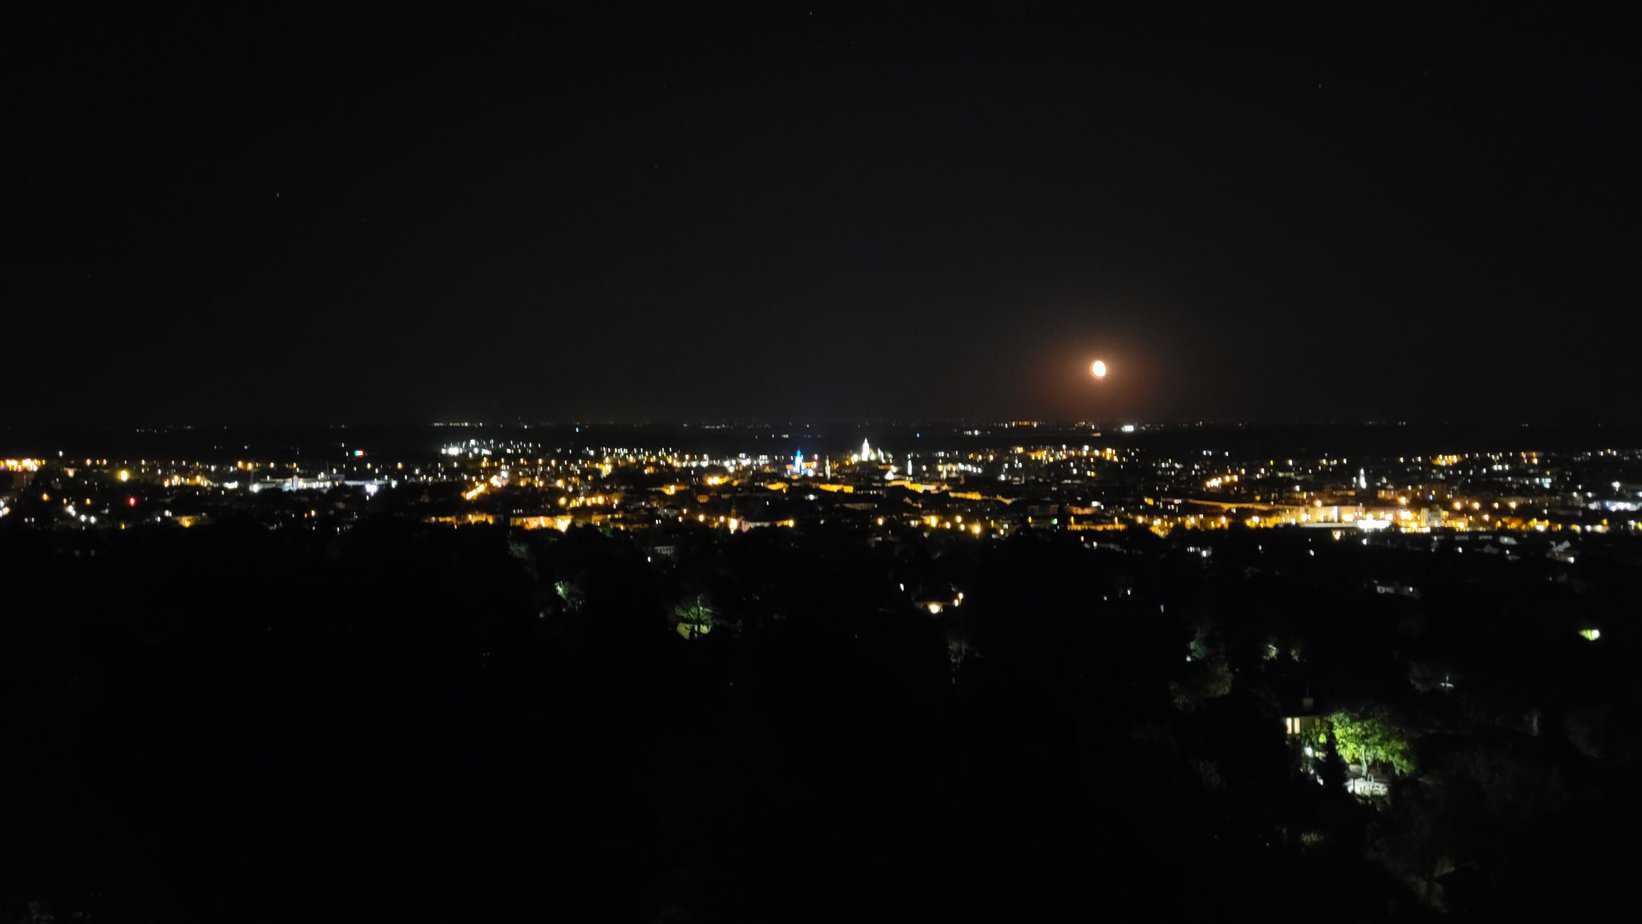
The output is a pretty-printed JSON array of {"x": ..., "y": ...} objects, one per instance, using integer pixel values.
[
  {"x": 571, "y": 594},
  {"x": 1367, "y": 738},
  {"x": 694, "y": 617}
]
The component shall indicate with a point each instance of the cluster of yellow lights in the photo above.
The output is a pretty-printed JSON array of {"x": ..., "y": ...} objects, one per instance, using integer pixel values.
[
  {"x": 466, "y": 519},
  {"x": 562, "y": 523},
  {"x": 177, "y": 481},
  {"x": 23, "y": 465}
]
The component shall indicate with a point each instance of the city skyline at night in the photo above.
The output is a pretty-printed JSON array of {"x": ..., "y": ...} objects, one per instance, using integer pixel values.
[{"x": 507, "y": 462}]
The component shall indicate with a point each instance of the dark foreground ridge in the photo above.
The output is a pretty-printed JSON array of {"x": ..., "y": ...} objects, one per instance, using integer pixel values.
[{"x": 237, "y": 723}]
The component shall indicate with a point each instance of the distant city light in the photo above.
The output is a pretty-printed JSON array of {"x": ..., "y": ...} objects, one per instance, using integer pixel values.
[{"x": 1490, "y": 494}]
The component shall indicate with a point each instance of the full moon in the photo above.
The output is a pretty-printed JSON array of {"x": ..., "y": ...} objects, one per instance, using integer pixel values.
[{"x": 1099, "y": 369}]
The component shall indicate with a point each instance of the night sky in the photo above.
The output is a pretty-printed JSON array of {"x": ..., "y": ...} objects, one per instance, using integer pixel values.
[{"x": 254, "y": 217}]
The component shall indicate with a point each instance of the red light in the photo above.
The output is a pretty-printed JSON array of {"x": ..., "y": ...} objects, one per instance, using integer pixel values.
[{"x": 131, "y": 502}]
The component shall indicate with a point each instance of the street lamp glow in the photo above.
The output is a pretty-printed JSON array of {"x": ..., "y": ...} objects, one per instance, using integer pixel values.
[{"x": 1098, "y": 369}]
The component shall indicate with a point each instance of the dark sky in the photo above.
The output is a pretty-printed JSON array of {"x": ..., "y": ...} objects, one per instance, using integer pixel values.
[{"x": 245, "y": 217}]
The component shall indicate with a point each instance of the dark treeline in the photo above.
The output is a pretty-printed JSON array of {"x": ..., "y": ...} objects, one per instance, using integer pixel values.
[{"x": 231, "y": 723}]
